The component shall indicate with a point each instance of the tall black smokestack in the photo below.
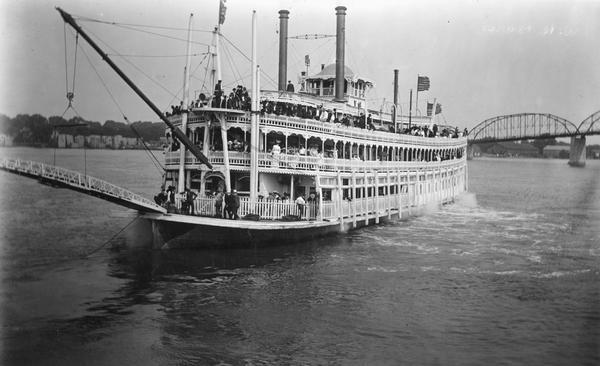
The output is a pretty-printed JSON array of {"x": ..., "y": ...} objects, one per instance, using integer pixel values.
[
  {"x": 395, "y": 86},
  {"x": 395, "y": 97},
  {"x": 339, "y": 53},
  {"x": 283, "y": 38}
]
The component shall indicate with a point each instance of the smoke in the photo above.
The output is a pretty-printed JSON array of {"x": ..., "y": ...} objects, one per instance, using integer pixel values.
[{"x": 466, "y": 199}]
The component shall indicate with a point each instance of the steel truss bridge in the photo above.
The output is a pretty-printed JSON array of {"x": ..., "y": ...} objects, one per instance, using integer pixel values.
[{"x": 528, "y": 126}]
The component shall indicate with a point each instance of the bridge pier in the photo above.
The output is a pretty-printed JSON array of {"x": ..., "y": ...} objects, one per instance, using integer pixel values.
[{"x": 577, "y": 152}]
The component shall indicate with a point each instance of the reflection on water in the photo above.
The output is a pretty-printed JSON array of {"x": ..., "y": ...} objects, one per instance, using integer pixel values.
[{"x": 507, "y": 275}]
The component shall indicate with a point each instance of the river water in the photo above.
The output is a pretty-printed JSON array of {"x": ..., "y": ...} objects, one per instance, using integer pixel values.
[{"x": 508, "y": 275}]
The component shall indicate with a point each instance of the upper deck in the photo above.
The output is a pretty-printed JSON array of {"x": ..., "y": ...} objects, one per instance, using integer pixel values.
[{"x": 326, "y": 130}]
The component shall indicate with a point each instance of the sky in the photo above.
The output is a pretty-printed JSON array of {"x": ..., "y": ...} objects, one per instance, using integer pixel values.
[{"x": 483, "y": 58}]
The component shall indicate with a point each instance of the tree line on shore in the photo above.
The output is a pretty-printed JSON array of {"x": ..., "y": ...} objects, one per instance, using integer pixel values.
[{"x": 37, "y": 130}]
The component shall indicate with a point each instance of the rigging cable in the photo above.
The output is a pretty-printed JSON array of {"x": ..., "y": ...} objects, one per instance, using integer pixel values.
[
  {"x": 247, "y": 58},
  {"x": 109, "y": 240},
  {"x": 71, "y": 94},
  {"x": 135, "y": 66},
  {"x": 86, "y": 19},
  {"x": 153, "y": 158},
  {"x": 160, "y": 35},
  {"x": 232, "y": 64}
]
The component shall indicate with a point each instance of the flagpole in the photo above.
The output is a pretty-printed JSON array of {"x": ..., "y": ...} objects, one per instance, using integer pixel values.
[
  {"x": 432, "y": 113},
  {"x": 417, "y": 98},
  {"x": 410, "y": 111},
  {"x": 220, "y": 20}
]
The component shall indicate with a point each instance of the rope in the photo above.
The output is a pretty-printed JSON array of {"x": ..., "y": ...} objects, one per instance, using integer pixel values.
[
  {"x": 66, "y": 62},
  {"x": 231, "y": 62},
  {"x": 86, "y": 19},
  {"x": 109, "y": 240},
  {"x": 135, "y": 66},
  {"x": 74, "y": 66},
  {"x": 152, "y": 157},
  {"x": 248, "y": 58},
  {"x": 161, "y": 35}
]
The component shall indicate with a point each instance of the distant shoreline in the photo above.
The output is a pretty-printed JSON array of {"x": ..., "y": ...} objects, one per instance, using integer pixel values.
[{"x": 39, "y": 146}]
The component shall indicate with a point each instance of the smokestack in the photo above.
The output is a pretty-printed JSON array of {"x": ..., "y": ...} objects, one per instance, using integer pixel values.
[
  {"x": 395, "y": 98},
  {"x": 395, "y": 86},
  {"x": 339, "y": 53},
  {"x": 283, "y": 36}
]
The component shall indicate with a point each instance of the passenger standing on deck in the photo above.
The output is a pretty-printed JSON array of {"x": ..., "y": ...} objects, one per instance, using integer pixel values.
[
  {"x": 290, "y": 86},
  {"x": 235, "y": 205},
  {"x": 190, "y": 197},
  {"x": 228, "y": 213},
  {"x": 170, "y": 197},
  {"x": 300, "y": 203},
  {"x": 219, "y": 204}
]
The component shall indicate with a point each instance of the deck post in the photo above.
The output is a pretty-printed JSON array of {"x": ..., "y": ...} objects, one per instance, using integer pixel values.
[
  {"x": 365, "y": 197},
  {"x": 320, "y": 194},
  {"x": 293, "y": 196},
  {"x": 340, "y": 199},
  {"x": 376, "y": 196},
  {"x": 398, "y": 195},
  {"x": 408, "y": 188},
  {"x": 389, "y": 194},
  {"x": 353, "y": 198},
  {"x": 205, "y": 151},
  {"x": 223, "y": 123}
]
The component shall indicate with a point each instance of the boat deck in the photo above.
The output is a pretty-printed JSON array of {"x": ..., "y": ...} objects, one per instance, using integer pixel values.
[{"x": 239, "y": 224}]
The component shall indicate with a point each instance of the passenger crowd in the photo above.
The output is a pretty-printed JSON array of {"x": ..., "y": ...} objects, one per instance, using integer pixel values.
[{"x": 239, "y": 99}]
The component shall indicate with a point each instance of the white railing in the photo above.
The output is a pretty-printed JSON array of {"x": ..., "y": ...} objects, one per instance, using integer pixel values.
[
  {"x": 265, "y": 209},
  {"x": 276, "y": 210},
  {"x": 330, "y": 130},
  {"x": 308, "y": 163},
  {"x": 76, "y": 180},
  {"x": 436, "y": 186}
]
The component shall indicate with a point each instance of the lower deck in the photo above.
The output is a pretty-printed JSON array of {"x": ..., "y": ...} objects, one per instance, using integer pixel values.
[{"x": 350, "y": 206}]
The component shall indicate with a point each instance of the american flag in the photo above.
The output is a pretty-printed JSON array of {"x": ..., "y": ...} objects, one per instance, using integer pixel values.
[
  {"x": 429, "y": 108},
  {"x": 422, "y": 83},
  {"x": 222, "y": 9}
]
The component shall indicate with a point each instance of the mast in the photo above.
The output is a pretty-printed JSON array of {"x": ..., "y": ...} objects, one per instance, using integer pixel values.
[
  {"x": 176, "y": 132},
  {"x": 254, "y": 118},
  {"x": 222, "y": 11},
  {"x": 181, "y": 182}
]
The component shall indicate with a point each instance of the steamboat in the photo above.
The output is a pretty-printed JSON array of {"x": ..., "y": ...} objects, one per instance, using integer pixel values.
[{"x": 289, "y": 165}]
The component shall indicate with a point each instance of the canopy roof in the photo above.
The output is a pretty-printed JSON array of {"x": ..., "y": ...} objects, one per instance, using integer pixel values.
[{"x": 328, "y": 73}]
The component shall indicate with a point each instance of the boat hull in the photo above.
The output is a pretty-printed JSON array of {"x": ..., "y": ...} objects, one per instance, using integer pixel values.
[
  {"x": 180, "y": 231},
  {"x": 183, "y": 231}
]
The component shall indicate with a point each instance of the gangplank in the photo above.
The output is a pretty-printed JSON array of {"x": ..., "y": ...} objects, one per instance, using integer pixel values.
[{"x": 64, "y": 178}]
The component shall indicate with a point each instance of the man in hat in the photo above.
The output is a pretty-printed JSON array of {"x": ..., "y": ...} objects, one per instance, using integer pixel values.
[
  {"x": 189, "y": 198},
  {"x": 235, "y": 205}
]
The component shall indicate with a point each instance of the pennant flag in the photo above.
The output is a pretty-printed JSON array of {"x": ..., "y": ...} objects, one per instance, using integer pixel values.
[
  {"x": 222, "y": 10},
  {"x": 422, "y": 83},
  {"x": 438, "y": 108},
  {"x": 429, "y": 108}
]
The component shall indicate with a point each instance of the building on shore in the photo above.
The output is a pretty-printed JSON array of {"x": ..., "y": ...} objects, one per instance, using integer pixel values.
[
  {"x": 5, "y": 140},
  {"x": 511, "y": 149},
  {"x": 557, "y": 151},
  {"x": 96, "y": 141}
]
